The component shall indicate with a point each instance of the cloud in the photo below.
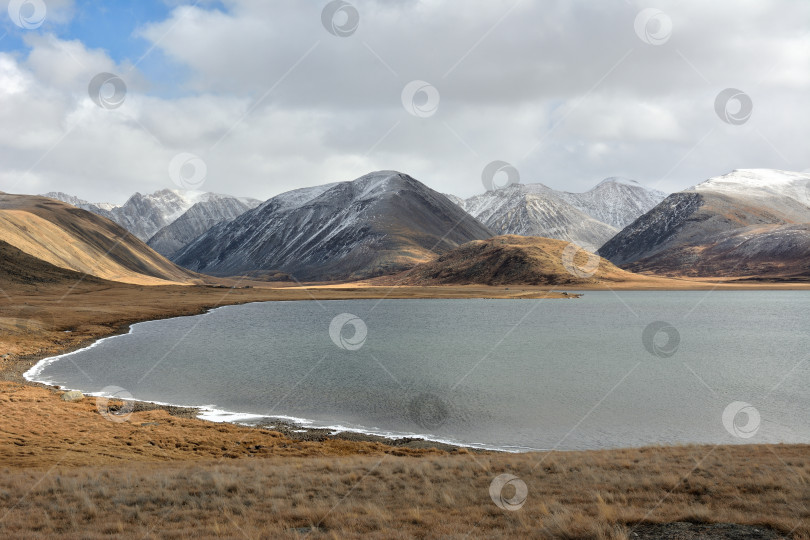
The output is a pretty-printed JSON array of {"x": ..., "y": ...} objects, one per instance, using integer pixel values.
[{"x": 565, "y": 91}]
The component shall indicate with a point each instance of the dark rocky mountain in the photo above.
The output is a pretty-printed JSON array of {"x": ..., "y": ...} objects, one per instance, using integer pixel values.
[
  {"x": 381, "y": 223},
  {"x": 748, "y": 222},
  {"x": 194, "y": 222}
]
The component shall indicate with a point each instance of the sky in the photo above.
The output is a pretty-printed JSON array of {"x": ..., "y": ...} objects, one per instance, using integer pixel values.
[{"x": 257, "y": 97}]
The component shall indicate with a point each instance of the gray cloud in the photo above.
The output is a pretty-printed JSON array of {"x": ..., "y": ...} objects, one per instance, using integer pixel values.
[{"x": 565, "y": 91}]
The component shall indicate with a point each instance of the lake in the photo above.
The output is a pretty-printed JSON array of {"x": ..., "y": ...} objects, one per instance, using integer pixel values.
[{"x": 602, "y": 371}]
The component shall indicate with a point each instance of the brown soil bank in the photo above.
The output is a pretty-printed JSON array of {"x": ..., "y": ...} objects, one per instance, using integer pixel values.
[{"x": 573, "y": 495}]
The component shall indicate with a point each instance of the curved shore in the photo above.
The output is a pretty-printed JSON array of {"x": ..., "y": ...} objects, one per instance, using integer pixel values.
[
  {"x": 61, "y": 456},
  {"x": 54, "y": 329}
]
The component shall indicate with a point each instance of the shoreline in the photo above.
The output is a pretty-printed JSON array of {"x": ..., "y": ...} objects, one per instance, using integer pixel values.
[
  {"x": 28, "y": 367},
  {"x": 300, "y": 429},
  {"x": 16, "y": 368},
  {"x": 56, "y": 452}
]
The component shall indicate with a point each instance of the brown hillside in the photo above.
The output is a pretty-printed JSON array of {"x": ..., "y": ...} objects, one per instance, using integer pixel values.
[
  {"x": 516, "y": 260},
  {"x": 74, "y": 239}
]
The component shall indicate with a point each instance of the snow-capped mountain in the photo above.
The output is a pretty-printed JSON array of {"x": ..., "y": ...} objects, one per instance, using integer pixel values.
[
  {"x": 195, "y": 221},
  {"x": 380, "y": 223},
  {"x": 144, "y": 215},
  {"x": 589, "y": 219},
  {"x": 720, "y": 227},
  {"x": 537, "y": 210},
  {"x": 101, "y": 209},
  {"x": 615, "y": 201}
]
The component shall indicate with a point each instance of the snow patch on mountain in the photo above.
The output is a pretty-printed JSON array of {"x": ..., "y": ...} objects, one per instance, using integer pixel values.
[
  {"x": 381, "y": 223},
  {"x": 588, "y": 219},
  {"x": 760, "y": 183},
  {"x": 144, "y": 215}
]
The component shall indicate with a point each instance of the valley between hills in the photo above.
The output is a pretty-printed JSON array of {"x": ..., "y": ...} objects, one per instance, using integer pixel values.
[{"x": 73, "y": 272}]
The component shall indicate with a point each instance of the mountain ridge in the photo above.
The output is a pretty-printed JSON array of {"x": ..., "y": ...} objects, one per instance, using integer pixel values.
[
  {"x": 78, "y": 240},
  {"x": 588, "y": 219},
  {"x": 379, "y": 223},
  {"x": 709, "y": 229}
]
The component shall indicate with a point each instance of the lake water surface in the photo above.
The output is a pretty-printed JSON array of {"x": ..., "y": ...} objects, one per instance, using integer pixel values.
[{"x": 718, "y": 367}]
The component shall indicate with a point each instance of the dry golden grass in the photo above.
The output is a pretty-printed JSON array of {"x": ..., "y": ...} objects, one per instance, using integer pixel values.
[
  {"x": 571, "y": 495},
  {"x": 70, "y": 473},
  {"x": 38, "y": 430},
  {"x": 73, "y": 239}
]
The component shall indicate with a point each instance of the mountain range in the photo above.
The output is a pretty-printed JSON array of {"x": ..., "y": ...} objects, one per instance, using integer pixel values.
[
  {"x": 145, "y": 215},
  {"x": 588, "y": 219},
  {"x": 381, "y": 223},
  {"x": 750, "y": 222},
  {"x": 70, "y": 238}
]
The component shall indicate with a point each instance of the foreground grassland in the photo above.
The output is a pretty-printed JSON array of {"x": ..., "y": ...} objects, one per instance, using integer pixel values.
[
  {"x": 571, "y": 495},
  {"x": 66, "y": 471}
]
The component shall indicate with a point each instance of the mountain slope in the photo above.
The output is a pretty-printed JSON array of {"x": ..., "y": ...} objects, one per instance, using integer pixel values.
[
  {"x": 536, "y": 210},
  {"x": 145, "y": 215},
  {"x": 18, "y": 267},
  {"x": 75, "y": 239},
  {"x": 514, "y": 260},
  {"x": 615, "y": 201},
  {"x": 194, "y": 222},
  {"x": 103, "y": 210},
  {"x": 743, "y": 223},
  {"x": 380, "y": 223}
]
